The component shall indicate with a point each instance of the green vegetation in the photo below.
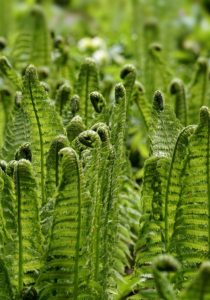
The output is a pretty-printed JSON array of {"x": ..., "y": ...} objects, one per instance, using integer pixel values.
[{"x": 104, "y": 150}]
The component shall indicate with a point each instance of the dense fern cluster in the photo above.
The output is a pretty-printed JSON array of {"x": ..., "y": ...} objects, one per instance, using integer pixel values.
[{"x": 80, "y": 217}]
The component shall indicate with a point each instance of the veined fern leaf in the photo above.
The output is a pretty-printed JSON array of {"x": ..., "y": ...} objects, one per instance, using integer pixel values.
[
  {"x": 17, "y": 130},
  {"x": 44, "y": 123},
  {"x": 29, "y": 244},
  {"x": 87, "y": 83},
  {"x": 192, "y": 214},
  {"x": 64, "y": 274}
]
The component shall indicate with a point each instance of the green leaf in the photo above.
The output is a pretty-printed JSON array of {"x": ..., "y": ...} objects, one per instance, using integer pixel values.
[
  {"x": 164, "y": 128},
  {"x": 17, "y": 130},
  {"x": 177, "y": 89},
  {"x": 87, "y": 83},
  {"x": 191, "y": 239},
  {"x": 8, "y": 71},
  {"x": 64, "y": 271},
  {"x": 199, "y": 288},
  {"x": 197, "y": 90},
  {"x": 29, "y": 244},
  {"x": 45, "y": 124},
  {"x": 5, "y": 285}
]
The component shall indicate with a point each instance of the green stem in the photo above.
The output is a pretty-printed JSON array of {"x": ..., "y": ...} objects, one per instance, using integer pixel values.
[
  {"x": 20, "y": 245},
  {"x": 41, "y": 144}
]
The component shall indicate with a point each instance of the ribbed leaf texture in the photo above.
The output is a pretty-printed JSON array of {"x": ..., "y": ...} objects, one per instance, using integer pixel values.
[
  {"x": 87, "y": 82},
  {"x": 45, "y": 124},
  {"x": 29, "y": 242},
  {"x": 5, "y": 290},
  {"x": 17, "y": 130},
  {"x": 64, "y": 273},
  {"x": 192, "y": 214},
  {"x": 164, "y": 128}
]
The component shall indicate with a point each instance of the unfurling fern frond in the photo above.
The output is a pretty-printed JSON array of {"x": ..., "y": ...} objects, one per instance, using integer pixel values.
[
  {"x": 64, "y": 274},
  {"x": 164, "y": 128},
  {"x": 180, "y": 106},
  {"x": 45, "y": 124},
  {"x": 10, "y": 74},
  {"x": 30, "y": 241},
  {"x": 192, "y": 213}
]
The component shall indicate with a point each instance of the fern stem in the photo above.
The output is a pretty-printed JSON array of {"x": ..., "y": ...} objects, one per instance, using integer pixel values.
[
  {"x": 20, "y": 245},
  {"x": 77, "y": 255},
  {"x": 208, "y": 182},
  {"x": 40, "y": 142}
]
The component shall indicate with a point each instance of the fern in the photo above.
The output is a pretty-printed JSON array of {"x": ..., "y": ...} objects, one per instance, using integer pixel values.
[
  {"x": 64, "y": 272},
  {"x": 87, "y": 83}
]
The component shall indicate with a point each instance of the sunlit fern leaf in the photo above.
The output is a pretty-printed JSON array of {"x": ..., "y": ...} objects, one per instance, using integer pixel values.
[
  {"x": 17, "y": 130},
  {"x": 174, "y": 180},
  {"x": 71, "y": 109},
  {"x": 29, "y": 243},
  {"x": 177, "y": 89},
  {"x": 62, "y": 97},
  {"x": 45, "y": 123},
  {"x": 192, "y": 213},
  {"x": 163, "y": 265},
  {"x": 52, "y": 164},
  {"x": 197, "y": 90},
  {"x": 105, "y": 198},
  {"x": 9, "y": 73},
  {"x": 142, "y": 103},
  {"x": 5, "y": 285},
  {"x": 164, "y": 128},
  {"x": 64, "y": 274},
  {"x": 32, "y": 44},
  {"x": 151, "y": 241},
  {"x": 87, "y": 82},
  {"x": 199, "y": 288},
  {"x": 93, "y": 165}
]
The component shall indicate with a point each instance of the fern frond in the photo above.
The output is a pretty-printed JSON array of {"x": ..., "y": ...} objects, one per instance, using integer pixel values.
[
  {"x": 74, "y": 128},
  {"x": 64, "y": 274},
  {"x": 29, "y": 246},
  {"x": 33, "y": 43},
  {"x": 192, "y": 213},
  {"x": 17, "y": 130},
  {"x": 164, "y": 128},
  {"x": 8, "y": 71},
  {"x": 5, "y": 285},
  {"x": 197, "y": 90},
  {"x": 44, "y": 123},
  {"x": 144, "y": 107},
  {"x": 199, "y": 288},
  {"x": 180, "y": 106},
  {"x": 52, "y": 164},
  {"x": 62, "y": 97},
  {"x": 162, "y": 265},
  {"x": 87, "y": 83}
]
